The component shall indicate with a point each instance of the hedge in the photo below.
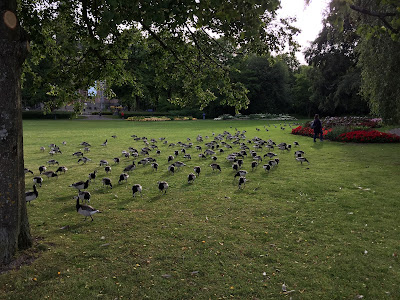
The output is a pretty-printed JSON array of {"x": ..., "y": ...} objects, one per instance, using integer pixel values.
[{"x": 37, "y": 114}]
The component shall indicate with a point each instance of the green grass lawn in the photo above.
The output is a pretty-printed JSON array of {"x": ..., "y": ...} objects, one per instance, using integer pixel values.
[{"x": 328, "y": 230}]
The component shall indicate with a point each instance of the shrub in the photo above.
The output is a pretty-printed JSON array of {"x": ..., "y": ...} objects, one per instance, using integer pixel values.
[
  {"x": 38, "y": 114},
  {"x": 371, "y": 136},
  {"x": 333, "y": 133}
]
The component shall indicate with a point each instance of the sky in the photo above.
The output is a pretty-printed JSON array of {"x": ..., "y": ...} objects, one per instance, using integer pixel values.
[{"x": 309, "y": 20}]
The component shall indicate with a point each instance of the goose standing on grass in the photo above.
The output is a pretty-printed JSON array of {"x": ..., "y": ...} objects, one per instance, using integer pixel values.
[
  {"x": 84, "y": 196},
  {"x": 191, "y": 178},
  {"x": 84, "y": 159},
  {"x": 299, "y": 153},
  {"x": 42, "y": 149},
  {"x": 42, "y": 169},
  {"x": 62, "y": 169},
  {"x": 240, "y": 173},
  {"x": 107, "y": 169},
  {"x": 163, "y": 186},
  {"x": 130, "y": 167},
  {"x": 26, "y": 170},
  {"x": 116, "y": 160},
  {"x": 105, "y": 143},
  {"x": 215, "y": 166},
  {"x": 123, "y": 177},
  {"x": 52, "y": 162},
  {"x": 77, "y": 154},
  {"x": 154, "y": 165},
  {"x": 197, "y": 170},
  {"x": 92, "y": 176},
  {"x": 103, "y": 162},
  {"x": 267, "y": 167},
  {"x": 302, "y": 159},
  {"x": 171, "y": 168},
  {"x": 80, "y": 185},
  {"x": 136, "y": 188},
  {"x": 38, "y": 180},
  {"x": 107, "y": 181},
  {"x": 254, "y": 165},
  {"x": 31, "y": 195},
  {"x": 85, "y": 210},
  {"x": 242, "y": 182}
]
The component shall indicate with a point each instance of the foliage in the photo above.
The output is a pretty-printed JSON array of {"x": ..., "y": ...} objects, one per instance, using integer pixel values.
[
  {"x": 146, "y": 119},
  {"x": 34, "y": 114}
]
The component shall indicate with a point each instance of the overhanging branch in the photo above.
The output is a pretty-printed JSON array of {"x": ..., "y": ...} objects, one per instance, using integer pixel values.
[{"x": 381, "y": 16}]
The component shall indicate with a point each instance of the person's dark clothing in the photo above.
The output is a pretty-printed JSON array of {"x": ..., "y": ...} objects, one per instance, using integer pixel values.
[{"x": 317, "y": 129}]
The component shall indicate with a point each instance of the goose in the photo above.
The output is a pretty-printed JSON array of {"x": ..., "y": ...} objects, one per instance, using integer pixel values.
[
  {"x": 42, "y": 169},
  {"x": 127, "y": 155},
  {"x": 107, "y": 181},
  {"x": 171, "y": 168},
  {"x": 273, "y": 162},
  {"x": 191, "y": 178},
  {"x": 80, "y": 185},
  {"x": 170, "y": 158},
  {"x": 241, "y": 173},
  {"x": 201, "y": 155},
  {"x": 158, "y": 152},
  {"x": 242, "y": 182},
  {"x": 154, "y": 165},
  {"x": 197, "y": 170},
  {"x": 214, "y": 158},
  {"x": 299, "y": 153},
  {"x": 114, "y": 136},
  {"x": 215, "y": 166},
  {"x": 187, "y": 156},
  {"x": 50, "y": 174},
  {"x": 235, "y": 167},
  {"x": 179, "y": 164},
  {"x": 130, "y": 167},
  {"x": 52, "y": 162},
  {"x": 257, "y": 158},
  {"x": 116, "y": 160},
  {"x": 77, "y": 154},
  {"x": 62, "y": 169},
  {"x": 270, "y": 154},
  {"x": 84, "y": 159},
  {"x": 26, "y": 170},
  {"x": 240, "y": 162},
  {"x": 198, "y": 148},
  {"x": 163, "y": 186},
  {"x": 42, "y": 149},
  {"x": 84, "y": 196},
  {"x": 176, "y": 152},
  {"x": 267, "y": 167},
  {"x": 107, "y": 169},
  {"x": 105, "y": 143},
  {"x": 85, "y": 210},
  {"x": 302, "y": 159},
  {"x": 29, "y": 196},
  {"x": 254, "y": 165},
  {"x": 295, "y": 143},
  {"x": 143, "y": 162},
  {"x": 136, "y": 188},
  {"x": 64, "y": 143},
  {"x": 52, "y": 152},
  {"x": 103, "y": 162},
  {"x": 183, "y": 150},
  {"x": 92, "y": 176},
  {"x": 123, "y": 177},
  {"x": 86, "y": 144},
  {"x": 38, "y": 180}
]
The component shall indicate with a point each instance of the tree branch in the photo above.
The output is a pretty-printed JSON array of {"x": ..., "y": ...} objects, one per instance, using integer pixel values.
[{"x": 379, "y": 15}]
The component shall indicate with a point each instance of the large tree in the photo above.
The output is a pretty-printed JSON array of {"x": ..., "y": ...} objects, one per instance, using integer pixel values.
[{"x": 91, "y": 40}]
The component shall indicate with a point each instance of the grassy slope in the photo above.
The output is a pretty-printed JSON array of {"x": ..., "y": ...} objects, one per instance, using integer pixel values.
[{"x": 307, "y": 226}]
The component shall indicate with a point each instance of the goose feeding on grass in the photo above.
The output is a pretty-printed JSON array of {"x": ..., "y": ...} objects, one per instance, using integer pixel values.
[
  {"x": 242, "y": 182},
  {"x": 295, "y": 143},
  {"x": 235, "y": 167},
  {"x": 114, "y": 136},
  {"x": 158, "y": 152},
  {"x": 171, "y": 158},
  {"x": 201, "y": 155},
  {"x": 191, "y": 178},
  {"x": 267, "y": 167},
  {"x": 84, "y": 196},
  {"x": 274, "y": 162},
  {"x": 123, "y": 177},
  {"x": 270, "y": 154},
  {"x": 62, "y": 169},
  {"x": 215, "y": 166},
  {"x": 154, "y": 165},
  {"x": 103, "y": 162},
  {"x": 116, "y": 160},
  {"x": 187, "y": 156},
  {"x": 241, "y": 173},
  {"x": 77, "y": 154},
  {"x": 130, "y": 167},
  {"x": 107, "y": 169},
  {"x": 105, "y": 143},
  {"x": 171, "y": 168},
  {"x": 197, "y": 170},
  {"x": 52, "y": 162},
  {"x": 84, "y": 159},
  {"x": 42, "y": 169},
  {"x": 240, "y": 162},
  {"x": 214, "y": 158},
  {"x": 42, "y": 149},
  {"x": 38, "y": 180},
  {"x": 26, "y": 170},
  {"x": 92, "y": 176},
  {"x": 163, "y": 186},
  {"x": 136, "y": 188},
  {"x": 302, "y": 159},
  {"x": 80, "y": 185},
  {"x": 107, "y": 181},
  {"x": 85, "y": 210},
  {"x": 179, "y": 164},
  {"x": 50, "y": 174},
  {"x": 31, "y": 195},
  {"x": 254, "y": 165}
]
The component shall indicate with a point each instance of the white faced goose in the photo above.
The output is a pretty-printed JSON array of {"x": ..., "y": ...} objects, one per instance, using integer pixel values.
[
  {"x": 62, "y": 169},
  {"x": 26, "y": 170},
  {"x": 92, "y": 176},
  {"x": 136, "y": 188},
  {"x": 163, "y": 186},
  {"x": 242, "y": 181},
  {"x": 42, "y": 169},
  {"x": 107, "y": 181},
  {"x": 50, "y": 174},
  {"x": 123, "y": 177},
  {"x": 302, "y": 159},
  {"x": 215, "y": 166},
  {"x": 80, "y": 185},
  {"x": 107, "y": 169},
  {"x": 52, "y": 162},
  {"x": 191, "y": 178},
  {"x": 38, "y": 180},
  {"x": 84, "y": 159},
  {"x": 84, "y": 196}
]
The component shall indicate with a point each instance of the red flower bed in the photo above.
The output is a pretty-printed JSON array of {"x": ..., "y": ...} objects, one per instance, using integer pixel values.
[
  {"x": 372, "y": 136},
  {"x": 307, "y": 131}
]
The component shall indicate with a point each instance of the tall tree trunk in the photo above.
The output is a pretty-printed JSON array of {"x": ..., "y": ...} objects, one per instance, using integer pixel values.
[{"x": 14, "y": 225}]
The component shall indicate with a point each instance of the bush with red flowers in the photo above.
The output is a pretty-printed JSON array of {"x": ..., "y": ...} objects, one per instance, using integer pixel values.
[
  {"x": 371, "y": 136},
  {"x": 307, "y": 131}
]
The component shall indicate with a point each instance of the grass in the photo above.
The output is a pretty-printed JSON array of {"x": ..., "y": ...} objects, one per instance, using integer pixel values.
[{"x": 328, "y": 230}]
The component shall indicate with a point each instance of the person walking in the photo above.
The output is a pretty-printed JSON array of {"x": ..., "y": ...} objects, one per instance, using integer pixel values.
[{"x": 317, "y": 126}]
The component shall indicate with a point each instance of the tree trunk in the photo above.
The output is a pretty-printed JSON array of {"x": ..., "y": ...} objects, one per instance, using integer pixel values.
[{"x": 14, "y": 226}]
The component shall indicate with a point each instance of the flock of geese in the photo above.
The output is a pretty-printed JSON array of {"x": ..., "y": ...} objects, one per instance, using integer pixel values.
[{"x": 231, "y": 148}]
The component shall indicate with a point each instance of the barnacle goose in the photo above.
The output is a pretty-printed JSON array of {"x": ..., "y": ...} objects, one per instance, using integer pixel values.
[
  {"x": 31, "y": 195},
  {"x": 163, "y": 186},
  {"x": 84, "y": 196},
  {"x": 80, "y": 185},
  {"x": 123, "y": 177},
  {"x": 107, "y": 181},
  {"x": 136, "y": 188},
  {"x": 38, "y": 180},
  {"x": 191, "y": 178},
  {"x": 85, "y": 210}
]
